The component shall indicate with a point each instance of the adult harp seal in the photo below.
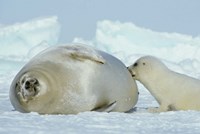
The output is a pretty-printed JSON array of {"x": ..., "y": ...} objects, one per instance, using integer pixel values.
[{"x": 73, "y": 79}]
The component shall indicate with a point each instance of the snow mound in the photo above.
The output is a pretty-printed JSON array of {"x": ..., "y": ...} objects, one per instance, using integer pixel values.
[{"x": 129, "y": 39}]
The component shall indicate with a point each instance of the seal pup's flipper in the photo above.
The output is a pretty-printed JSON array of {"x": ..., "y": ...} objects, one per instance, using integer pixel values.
[
  {"x": 84, "y": 53},
  {"x": 105, "y": 108}
]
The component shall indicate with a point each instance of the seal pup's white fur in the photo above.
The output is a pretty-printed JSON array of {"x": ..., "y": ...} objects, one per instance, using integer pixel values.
[{"x": 172, "y": 90}]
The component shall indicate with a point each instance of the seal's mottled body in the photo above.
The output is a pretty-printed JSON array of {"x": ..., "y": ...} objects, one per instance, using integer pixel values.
[{"x": 73, "y": 79}]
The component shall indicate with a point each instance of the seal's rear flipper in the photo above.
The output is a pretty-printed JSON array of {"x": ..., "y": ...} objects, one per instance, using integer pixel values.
[
  {"x": 105, "y": 108},
  {"x": 84, "y": 53}
]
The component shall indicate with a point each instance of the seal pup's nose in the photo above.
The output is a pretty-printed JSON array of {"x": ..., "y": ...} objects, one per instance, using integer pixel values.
[{"x": 131, "y": 72}]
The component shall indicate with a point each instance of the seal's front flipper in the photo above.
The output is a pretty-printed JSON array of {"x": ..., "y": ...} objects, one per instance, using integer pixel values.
[
  {"x": 105, "y": 108},
  {"x": 82, "y": 53}
]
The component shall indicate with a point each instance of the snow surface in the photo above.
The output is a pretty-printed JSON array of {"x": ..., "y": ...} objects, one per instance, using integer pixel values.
[{"x": 124, "y": 40}]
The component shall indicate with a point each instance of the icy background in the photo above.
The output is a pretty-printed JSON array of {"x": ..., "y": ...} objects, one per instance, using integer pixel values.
[{"x": 126, "y": 41}]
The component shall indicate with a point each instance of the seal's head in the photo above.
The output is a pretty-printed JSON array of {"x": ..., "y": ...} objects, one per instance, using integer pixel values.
[
  {"x": 146, "y": 67},
  {"x": 28, "y": 91},
  {"x": 27, "y": 87}
]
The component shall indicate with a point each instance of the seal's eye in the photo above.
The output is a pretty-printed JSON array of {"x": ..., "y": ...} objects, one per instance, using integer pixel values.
[
  {"x": 16, "y": 85},
  {"x": 23, "y": 80},
  {"x": 143, "y": 63},
  {"x": 135, "y": 65}
]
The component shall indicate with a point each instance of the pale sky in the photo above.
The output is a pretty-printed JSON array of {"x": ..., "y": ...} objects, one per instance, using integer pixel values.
[{"x": 78, "y": 18}]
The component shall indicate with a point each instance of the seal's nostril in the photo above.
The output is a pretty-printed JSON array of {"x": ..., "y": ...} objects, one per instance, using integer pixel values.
[
  {"x": 32, "y": 81},
  {"x": 27, "y": 84},
  {"x": 35, "y": 82}
]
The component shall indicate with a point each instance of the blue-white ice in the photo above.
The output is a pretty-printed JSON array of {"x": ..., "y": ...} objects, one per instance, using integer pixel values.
[
  {"x": 20, "y": 42},
  {"x": 126, "y": 41}
]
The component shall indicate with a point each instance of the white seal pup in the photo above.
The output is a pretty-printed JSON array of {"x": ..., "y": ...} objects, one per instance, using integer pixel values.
[
  {"x": 172, "y": 90},
  {"x": 73, "y": 79}
]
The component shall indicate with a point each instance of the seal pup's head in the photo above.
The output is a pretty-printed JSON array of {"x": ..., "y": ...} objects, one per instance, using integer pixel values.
[{"x": 147, "y": 67}]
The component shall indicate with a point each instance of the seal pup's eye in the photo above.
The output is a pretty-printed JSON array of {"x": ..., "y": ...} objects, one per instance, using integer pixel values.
[
  {"x": 135, "y": 65},
  {"x": 143, "y": 63}
]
